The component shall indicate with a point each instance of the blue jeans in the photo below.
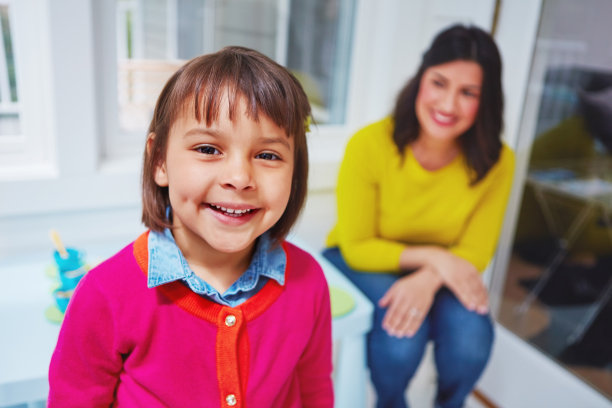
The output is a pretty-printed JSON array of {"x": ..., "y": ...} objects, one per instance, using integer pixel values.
[{"x": 462, "y": 343}]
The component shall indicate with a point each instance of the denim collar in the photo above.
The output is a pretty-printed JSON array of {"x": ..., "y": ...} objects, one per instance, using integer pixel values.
[{"x": 167, "y": 264}]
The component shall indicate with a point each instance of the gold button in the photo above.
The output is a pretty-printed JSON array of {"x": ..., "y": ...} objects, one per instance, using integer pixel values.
[
  {"x": 230, "y": 320},
  {"x": 231, "y": 400}
]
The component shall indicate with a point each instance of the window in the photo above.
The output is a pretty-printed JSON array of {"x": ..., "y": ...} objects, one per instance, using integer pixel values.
[
  {"x": 9, "y": 102},
  {"x": 154, "y": 38},
  {"x": 11, "y": 135},
  {"x": 24, "y": 144}
]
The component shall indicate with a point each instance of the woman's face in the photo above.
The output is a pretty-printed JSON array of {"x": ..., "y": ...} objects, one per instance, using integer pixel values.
[{"x": 448, "y": 99}]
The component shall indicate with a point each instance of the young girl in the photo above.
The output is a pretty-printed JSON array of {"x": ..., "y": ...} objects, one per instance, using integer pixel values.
[{"x": 210, "y": 307}]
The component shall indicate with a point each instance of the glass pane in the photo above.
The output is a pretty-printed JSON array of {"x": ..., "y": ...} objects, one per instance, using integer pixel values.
[
  {"x": 9, "y": 124},
  {"x": 9, "y": 109},
  {"x": 320, "y": 36},
  {"x": 155, "y": 37},
  {"x": 558, "y": 289}
]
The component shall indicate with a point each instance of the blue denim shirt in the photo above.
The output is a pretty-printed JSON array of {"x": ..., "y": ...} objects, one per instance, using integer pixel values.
[{"x": 167, "y": 264}]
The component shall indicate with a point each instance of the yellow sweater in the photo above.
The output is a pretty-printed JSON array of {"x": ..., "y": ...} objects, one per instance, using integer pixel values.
[{"x": 385, "y": 204}]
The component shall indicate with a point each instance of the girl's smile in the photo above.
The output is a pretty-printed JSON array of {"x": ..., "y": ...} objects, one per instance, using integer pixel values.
[{"x": 232, "y": 213}]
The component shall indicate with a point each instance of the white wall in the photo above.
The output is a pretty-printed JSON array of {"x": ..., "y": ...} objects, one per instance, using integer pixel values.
[{"x": 566, "y": 21}]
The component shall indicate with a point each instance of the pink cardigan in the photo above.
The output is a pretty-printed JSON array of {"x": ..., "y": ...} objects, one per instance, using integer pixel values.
[{"x": 123, "y": 344}]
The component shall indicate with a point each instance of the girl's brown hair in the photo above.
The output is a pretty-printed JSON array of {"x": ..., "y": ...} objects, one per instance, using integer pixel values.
[
  {"x": 481, "y": 143},
  {"x": 267, "y": 88}
]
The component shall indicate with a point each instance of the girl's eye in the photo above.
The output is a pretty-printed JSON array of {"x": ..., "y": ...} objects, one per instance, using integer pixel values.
[
  {"x": 268, "y": 156},
  {"x": 437, "y": 83},
  {"x": 207, "y": 150}
]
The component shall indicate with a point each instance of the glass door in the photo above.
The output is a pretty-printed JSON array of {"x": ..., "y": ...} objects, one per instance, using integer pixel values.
[{"x": 557, "y": 293}]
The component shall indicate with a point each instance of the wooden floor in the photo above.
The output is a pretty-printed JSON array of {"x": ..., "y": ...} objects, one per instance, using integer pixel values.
[{"x": 537, "y": 318}]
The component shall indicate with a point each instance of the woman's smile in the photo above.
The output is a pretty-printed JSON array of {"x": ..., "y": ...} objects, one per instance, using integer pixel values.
[{"x": 443, "y": 119}]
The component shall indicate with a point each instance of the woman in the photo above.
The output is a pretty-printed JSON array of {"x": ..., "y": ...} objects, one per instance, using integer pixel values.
[{"x": 421, "y": 197}]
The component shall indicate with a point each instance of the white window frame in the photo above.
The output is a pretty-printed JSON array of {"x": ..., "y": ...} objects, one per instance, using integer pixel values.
[
  {"x": 29, "y": 153},
  {"x": 61, "y": 45}
]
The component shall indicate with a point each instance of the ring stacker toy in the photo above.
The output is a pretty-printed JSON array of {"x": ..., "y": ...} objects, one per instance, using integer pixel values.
[{"x": 70, "y": 267}]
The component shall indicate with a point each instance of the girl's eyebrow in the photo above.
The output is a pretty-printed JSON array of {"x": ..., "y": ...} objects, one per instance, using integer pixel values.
[
  {"x": 267, "y": 140},
  {"x": 277, "y": 140},
  {"x": 201, "y": 131}
]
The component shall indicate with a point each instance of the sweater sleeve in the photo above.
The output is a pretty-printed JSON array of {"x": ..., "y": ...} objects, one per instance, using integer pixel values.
[
  {"x": 357, "y": 195},
  {"x": 479, "y": 239},
  {"x": 85, "y": 367},
  {"x": 315, "y": 365}
]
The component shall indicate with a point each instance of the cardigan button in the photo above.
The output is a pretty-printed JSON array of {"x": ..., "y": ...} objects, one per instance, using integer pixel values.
[
  {"x": 231, "y": 400},
  {"x": 230, "y": 320}
]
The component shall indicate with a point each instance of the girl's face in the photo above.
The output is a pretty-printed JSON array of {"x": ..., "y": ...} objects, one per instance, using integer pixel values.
[
  {"x": 448, "y": 99},
  {"x": 228, "y": 183}
]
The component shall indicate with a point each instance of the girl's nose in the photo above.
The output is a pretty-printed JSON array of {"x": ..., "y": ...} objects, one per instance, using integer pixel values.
[{"x": 238, "y": 174}]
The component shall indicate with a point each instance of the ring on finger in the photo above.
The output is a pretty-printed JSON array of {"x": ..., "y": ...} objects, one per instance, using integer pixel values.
[{"x": 415, "y": 312}]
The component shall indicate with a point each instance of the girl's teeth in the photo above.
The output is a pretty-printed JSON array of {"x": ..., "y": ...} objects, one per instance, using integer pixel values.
[{"x": 230, "y": 210}]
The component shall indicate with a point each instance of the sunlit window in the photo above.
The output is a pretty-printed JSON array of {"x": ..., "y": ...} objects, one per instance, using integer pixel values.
[
  {"x": 154, "y": 38},
  {"x": 9, "y": 101}
]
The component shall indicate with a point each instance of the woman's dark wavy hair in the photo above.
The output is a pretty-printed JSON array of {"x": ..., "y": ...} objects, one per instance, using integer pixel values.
[
  {"x": 481, "y": 144},
  {"x": 267, "y": 88}
]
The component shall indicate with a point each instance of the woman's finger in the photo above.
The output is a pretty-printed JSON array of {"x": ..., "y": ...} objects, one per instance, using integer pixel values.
[
  {"x": 395, "y": 316},
  {"x": 385, "y": 300},
  {"x": 407, "y": 301},
  {"x": 412, "y": 322},
  {"x": 472, "y": 294},
  {"x": 482, "y": 301},
  {"x": 464, "y": 295},
  {"x": 480, "y": 297},
  {"x": 390, "y": 318}
]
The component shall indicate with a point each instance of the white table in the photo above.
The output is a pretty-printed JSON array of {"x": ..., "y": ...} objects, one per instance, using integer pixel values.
[
  {"x": 349, "y": 333},
  {"x": 27, "y": 338}
]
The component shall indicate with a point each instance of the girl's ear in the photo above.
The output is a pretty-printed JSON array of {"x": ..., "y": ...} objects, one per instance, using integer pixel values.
[{"x": 159, "y": 172}]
